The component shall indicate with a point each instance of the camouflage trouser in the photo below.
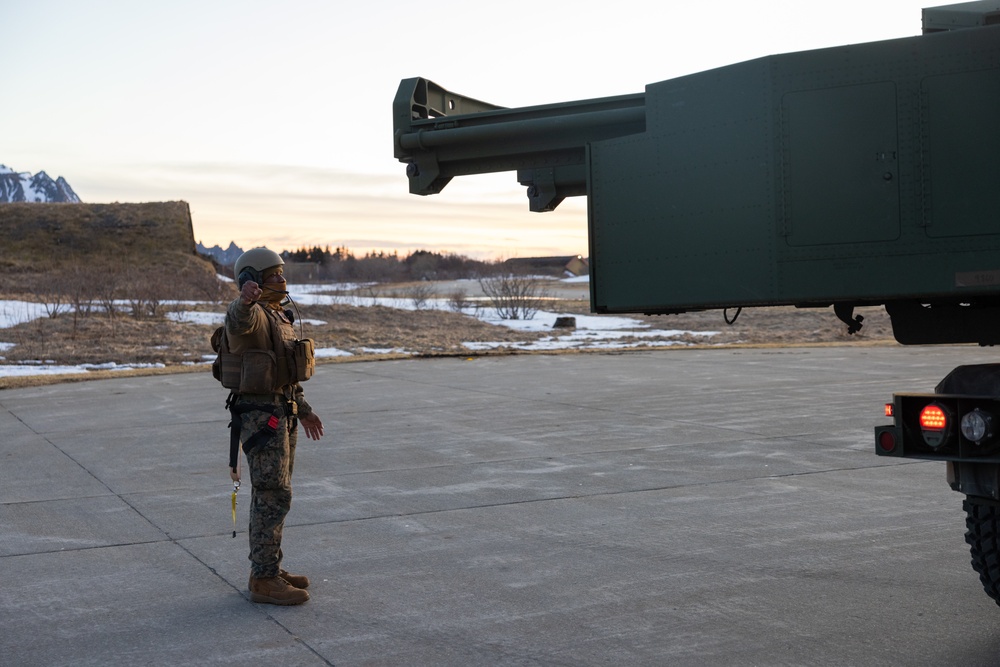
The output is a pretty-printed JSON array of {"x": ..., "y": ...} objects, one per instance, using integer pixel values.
[{"x": 270, "y": 462}]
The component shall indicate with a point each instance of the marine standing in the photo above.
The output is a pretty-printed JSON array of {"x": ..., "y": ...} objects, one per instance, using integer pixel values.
[{"x": 266, "y": 364}]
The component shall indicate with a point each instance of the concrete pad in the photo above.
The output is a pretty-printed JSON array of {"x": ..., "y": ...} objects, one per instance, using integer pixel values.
[
  {"x": 681, "y": 507},
  {"x": 72, "y": 524},
  {"x": 34, "y": 469},
  {"x": 138, "y": 604}
]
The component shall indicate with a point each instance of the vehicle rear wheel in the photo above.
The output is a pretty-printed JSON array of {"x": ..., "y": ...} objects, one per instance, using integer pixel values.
[{"x": 982, "y": 522}]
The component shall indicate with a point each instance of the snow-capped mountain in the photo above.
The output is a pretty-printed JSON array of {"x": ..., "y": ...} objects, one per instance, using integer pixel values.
[
  {"x": 15, "y": 187},
  {"x": 225, "y": 257}
]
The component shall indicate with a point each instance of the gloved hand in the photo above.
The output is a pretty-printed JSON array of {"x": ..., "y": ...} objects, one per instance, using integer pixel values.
[{"x": 250, "y": 293}]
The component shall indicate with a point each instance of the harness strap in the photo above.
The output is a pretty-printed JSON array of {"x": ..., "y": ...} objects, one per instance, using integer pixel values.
[{"x": 269, "y": 428}]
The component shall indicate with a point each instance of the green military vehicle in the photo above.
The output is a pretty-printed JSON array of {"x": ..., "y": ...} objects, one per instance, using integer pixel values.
[{"x": 860, "y": 175}]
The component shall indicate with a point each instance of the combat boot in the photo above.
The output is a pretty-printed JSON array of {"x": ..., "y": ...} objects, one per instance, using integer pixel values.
[
  {"x": 275, "y": 590},
  {"x": 297, "y": 580}
]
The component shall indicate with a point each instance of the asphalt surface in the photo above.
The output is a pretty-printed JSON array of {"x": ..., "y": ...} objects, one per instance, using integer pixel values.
[{"x": 680, "y": 507}]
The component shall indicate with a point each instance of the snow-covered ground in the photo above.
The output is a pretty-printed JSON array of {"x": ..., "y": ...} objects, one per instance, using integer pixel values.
[{"x": 591, "y": 332}]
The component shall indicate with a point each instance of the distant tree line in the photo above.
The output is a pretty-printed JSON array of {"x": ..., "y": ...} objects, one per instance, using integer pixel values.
[{"x": 340, "y": 264}]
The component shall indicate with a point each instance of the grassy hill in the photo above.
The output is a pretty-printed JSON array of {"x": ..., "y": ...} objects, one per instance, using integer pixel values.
[{"x": 156, "y": 237}]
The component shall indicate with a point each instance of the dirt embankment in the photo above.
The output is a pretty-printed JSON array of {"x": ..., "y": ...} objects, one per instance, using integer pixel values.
[{"x": 44, "y": 237}]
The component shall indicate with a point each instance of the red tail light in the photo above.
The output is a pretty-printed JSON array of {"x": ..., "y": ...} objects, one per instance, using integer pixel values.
[
  {"x": 934, "y": 424},
  {"x": 933, "y": 418},
  {"x": 887, "y": 441}
]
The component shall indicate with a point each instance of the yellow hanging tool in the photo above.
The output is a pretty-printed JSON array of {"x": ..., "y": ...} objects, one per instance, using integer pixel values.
[{"x": 236, "y": 487}]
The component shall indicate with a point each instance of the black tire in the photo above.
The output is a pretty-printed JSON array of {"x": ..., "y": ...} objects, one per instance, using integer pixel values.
[{"x": 982, "y": 522}]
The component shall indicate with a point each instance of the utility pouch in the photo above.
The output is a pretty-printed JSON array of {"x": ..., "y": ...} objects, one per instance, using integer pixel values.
[
  {"x": 304, "y": 356},
  {"x": 217, "y": 339},
  {"x": 226, "y": 368},
  {"x": 259, "y": 371}
]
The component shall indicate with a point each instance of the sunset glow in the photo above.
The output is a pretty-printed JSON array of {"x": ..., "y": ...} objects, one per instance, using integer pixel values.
[{"x": 272, "y": 120}]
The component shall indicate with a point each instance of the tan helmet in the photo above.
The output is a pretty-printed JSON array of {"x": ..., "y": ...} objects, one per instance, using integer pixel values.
[{"x": 253, "y": 263}]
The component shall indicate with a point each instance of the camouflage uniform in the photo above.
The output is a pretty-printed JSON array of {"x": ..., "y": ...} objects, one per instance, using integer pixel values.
[{"x": 272, "y": 459}]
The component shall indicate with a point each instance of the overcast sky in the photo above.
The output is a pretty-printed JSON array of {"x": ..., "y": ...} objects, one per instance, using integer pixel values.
[{"x": 273, "y": 119}]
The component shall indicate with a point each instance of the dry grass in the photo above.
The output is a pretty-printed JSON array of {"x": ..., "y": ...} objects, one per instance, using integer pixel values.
[
  {"x": 425, "y": 332},
  {"x": 363, "y": 330},
  {"x": 359, "y": 330},
  {"x": 97, "y": 339}
]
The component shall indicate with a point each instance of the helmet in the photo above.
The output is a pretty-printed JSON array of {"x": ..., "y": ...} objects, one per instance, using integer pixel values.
[{"x": 253, "y": 263}]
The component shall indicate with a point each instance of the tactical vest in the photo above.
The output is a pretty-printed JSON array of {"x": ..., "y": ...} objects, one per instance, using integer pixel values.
[{"x": 260, "y": 371}]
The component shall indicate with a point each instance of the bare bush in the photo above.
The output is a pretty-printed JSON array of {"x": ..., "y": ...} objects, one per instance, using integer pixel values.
[
  {"x": 513, "y": 296},
  {"x": 208, "y": 286},
  {"x": 458, "y": 300},
  {"x": 80, "y": 283},
  {"x": 31, "y": 338},
  {"x": 107, "y": 288},
  {"x": 149, "y": 296},
  {"x": 419, "y": 294},
  {"x": 136, "y": 292},
  {"x": 53, "y": 295}
]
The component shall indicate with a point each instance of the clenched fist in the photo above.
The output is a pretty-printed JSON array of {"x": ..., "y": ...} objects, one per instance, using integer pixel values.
[{"x": 250, "y": 293}]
